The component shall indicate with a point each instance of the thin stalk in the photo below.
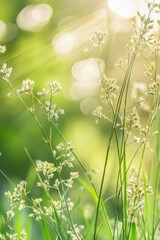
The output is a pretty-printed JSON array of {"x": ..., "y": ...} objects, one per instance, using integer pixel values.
[
  {"x": 46, "y": 193},
  {"x": 74, "y": 154},
  {"x": 158, "y": 222},
  {"x": 29, "y": 207},
  {"x": 124, "y": 142},
  {"x": 126, "y": 78},
  {"x": 125, "y": 82},
  {"x": 32, "y": 111},
  {"x": 7, "y": 178},
  {"x": 155, "y": 177},
  {"x": 124, "y": 219},
  {"x": 156, "y": 167}
]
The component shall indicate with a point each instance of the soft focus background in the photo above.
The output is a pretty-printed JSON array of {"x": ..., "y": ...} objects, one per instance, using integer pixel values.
[{"x": 49, "y": 40}]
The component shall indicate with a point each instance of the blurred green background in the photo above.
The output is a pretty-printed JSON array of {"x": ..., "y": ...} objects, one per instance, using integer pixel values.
[{"x": 46, "y": 41}]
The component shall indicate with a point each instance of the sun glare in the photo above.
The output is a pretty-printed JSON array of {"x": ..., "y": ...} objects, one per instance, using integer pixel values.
[
  {"x": 123, "y": 8},
  {"x": 128, "y": 8}
]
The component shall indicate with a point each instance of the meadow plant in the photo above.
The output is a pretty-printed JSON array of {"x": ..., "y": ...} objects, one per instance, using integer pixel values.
[{"x": 136, "y": 211}]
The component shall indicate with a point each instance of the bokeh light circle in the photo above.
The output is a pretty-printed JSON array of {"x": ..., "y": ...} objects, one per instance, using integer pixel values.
[
  {"x": 34, "y": 17},
  {"x": 88, "y": 70},
  {"x": 3, "y": 30},
  {"x": 88, "y": 105},
  {"x": 86, "y": 75},
  {"x": 8, "y": 31},
  {"x": 65, "y": 44}
]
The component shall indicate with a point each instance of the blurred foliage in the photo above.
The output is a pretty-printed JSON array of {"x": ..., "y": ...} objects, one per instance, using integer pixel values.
[{"x": 32, "y": 55}]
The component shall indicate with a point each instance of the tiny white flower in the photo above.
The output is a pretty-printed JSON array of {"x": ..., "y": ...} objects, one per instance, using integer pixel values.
[
  {"x": 2, "y": 49},
  {"x": 10, "y": 215}
]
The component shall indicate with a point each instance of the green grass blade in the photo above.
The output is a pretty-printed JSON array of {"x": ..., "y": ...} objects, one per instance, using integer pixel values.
[{"x": 133, "y": 234}]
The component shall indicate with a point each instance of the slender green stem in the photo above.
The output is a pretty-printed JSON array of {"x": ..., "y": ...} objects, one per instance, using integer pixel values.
[
  {"x": 126, "y": 79},
  {"x": 74, "y": 154},
  {"x": 32, "y": 111},
  {"x": 47, "y": 195}
]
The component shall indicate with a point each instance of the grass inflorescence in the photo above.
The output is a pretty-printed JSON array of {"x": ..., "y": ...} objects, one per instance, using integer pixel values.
[{"x": 135, "y": 213}]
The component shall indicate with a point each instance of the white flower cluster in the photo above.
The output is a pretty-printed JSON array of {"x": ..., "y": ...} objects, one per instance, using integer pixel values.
[
  {"x": 2, "y": 49},
  {"x": 98, "y": 38},
  {"x": 27, "y": 87},
  {"x": 14, "y": 236},
  {"x": 16, "y": 198},
  {"x": 6, "y": 72},
  {"x": 136, "y": 190}
]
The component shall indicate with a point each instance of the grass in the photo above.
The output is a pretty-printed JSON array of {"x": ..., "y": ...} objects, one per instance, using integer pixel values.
[{"x": 58, "y": 212}]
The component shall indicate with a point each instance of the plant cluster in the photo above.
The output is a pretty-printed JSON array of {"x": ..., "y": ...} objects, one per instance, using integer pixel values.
[{"x": 121, "y": 106}]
